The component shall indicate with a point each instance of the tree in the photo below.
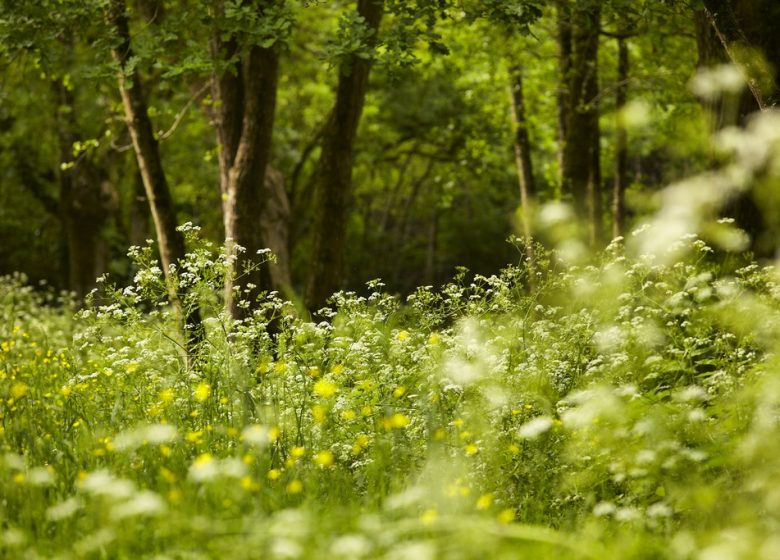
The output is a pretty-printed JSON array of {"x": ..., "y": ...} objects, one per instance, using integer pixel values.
[
  {"x": 170, "y": 240},
  {"x": 334, "y": 172},
  {"x": 581, "y": 170},
  {"x": 244, "y": 88},
  {"x": 743, "y": 32}
]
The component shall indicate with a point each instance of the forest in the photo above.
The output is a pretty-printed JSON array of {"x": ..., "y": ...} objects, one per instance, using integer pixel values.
[{"x": 389, "y": 279}]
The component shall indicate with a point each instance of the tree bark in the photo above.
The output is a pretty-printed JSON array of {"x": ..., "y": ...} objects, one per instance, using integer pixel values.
[
  {"x": 751, "y": 25},
  {"x": 525, "y": 176},
  {"x": 169, "y": 240},
  {"x": 334, "y": 173},
  {"x": 83, "y": 208},
  {"x": 621, "y": 141},
  {"x": 727, "y": 31},
  {"x": 581, "y": 175},
  {"x": 564, "y": 67},
  {"x": 255, "y": 206}
]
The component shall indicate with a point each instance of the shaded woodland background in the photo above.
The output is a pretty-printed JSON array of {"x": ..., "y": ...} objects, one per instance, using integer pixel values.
[{"x": 389, "y": 139}]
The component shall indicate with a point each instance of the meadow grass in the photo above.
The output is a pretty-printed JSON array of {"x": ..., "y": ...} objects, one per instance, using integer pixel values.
[{"x": 627, "y": 408}]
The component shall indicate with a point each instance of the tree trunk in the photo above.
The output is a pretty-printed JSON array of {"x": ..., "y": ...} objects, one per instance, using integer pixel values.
[
  {"x": 581, "y": 174},
  {"x": 525, "y": 177},
  {"x": 742, "y": 26},
  {"x": 170, "y": 241},
  {"x": 83, "y": 208},
  {"x": 621, "y": 141},
  {"x": 334, "y": 173},
  {"x": 726, "y": 31},
  {"x": 564, "y": 67},
  {"x": 255, "y": 206}
]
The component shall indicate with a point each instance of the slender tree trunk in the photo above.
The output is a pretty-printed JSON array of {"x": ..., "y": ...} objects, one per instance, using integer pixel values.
[
  {"x": 595, "y": 198},
  {"x": 334, "y": 173},
  {"x": 170, "y": 241},
  {"x": 581, "y": 174},
  {"x": 621, "y": 141},
  {"x": 564, "y": 68},
  {"x": 525, "y": 176},
  {"x": 139, "y": 213},
  {"x": 429, "y": 277},
  {"x": 82, "y": 206}
]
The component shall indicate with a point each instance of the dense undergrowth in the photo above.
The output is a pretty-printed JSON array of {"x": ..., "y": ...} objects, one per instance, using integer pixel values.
[{"x": 624, "y": 409}]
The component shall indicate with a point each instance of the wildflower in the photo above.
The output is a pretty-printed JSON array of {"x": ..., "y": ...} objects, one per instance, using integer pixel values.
[
  {"x": 324, "y": 458},
  {"x": 471, "y": 449},
  {"x": 202, "y": 392},
  {"x": 399, "y": 391},
  {"x": 402, "y": 336},
  {"x": 325, "y": 388},
  {"x": 249, "y": 484},
  {"x": 429, "y": 516},
  {"x": 396, "y": 421},
  {"x": 506, "y": 516},
  {"x": 338, "y": 369},
  {"x": 434, "y": 339},
  {"x": 295, "y": 487},
  {"x": 194, "y": 436},
  {"x": 19, "y": 389},
  {"x": 484, "y": 501},
  {"x": 274, "y": 474},
  {"x": 298, "y": 452},
  {"x": 318, "y": 413}
]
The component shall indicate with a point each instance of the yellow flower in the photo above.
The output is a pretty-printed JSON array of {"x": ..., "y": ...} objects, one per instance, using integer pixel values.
[
  {"x": 318, "y": 413},
  {"x": 348, "y": 415},
  {"x": 361, "y": 442},
  {"x": 434, "y": 339},
  {"x": 273, "y": 434},
  {"x": 274, "y": 474},
  {"x": 439, "y": 434},
  {"x": 485, "y": 501},
  {"x": 203, "y": 459},
  {"x": 399, "y": 391},
  {"x": 19, "y": 389},
  {"x": 471, "y": 449},
  {"x": 280, "y": 367},
  {"x": 314, "y": 371},
  {"x": 396, "y": 421},
  {"x": 429, "y": 516},
  {"x": 324, "y": 458},
  {"x": 325, "y": 388},
  {"x": 194, "y": 437},
  {"x": 298, "y": 452},
  {"x": 168, "y": 475},
  {"x": 402, "y": 336},
  {"x": 131, "y": 367},
  {"x": 338, "y": 369},
  {"x": 202, "y": 392},
  {"x": 506, "y": 516},
  {"x": 249, "y": 484},
  {"x": 366, "y": 411},
  {"x": 295, "y": 487},
  {"x": 19, "y": 478}
]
